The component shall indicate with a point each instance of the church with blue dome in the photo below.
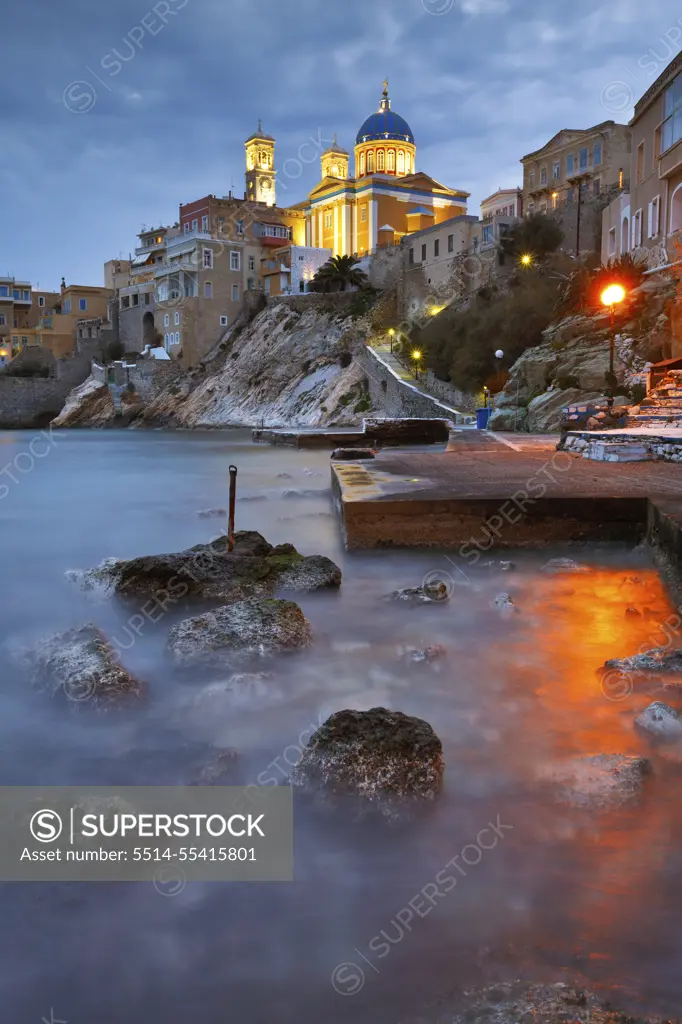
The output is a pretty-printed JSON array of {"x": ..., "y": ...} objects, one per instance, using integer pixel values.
[{"x": 384, "y": 198}]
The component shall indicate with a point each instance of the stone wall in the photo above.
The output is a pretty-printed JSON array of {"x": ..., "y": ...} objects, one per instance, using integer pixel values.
[
  {"x": 397, "y": 398},
  {"x": 316, "y": 300},
  {"x": 31, "y": 401},
  {"x": 148, "y": 377},
  {"x": 450, "y": 395}
]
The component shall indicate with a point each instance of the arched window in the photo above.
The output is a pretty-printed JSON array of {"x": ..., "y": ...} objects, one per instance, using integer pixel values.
[
  {"x": 165, "y": 341},
  {"x": 401, "y": 162},
  {"x": 362, "y": 164},
  {"x": 391, "y": 160},
  {"x": 265, "y": 159},
  {"x": 676, "y": 210},
  {"x": 177, "y": 337},
  {"x": 380, "y": 160},
  {"x": 370, "y": 162},
  {"x": 407, "y": 163},
  {"x": 625, "y": 235}
]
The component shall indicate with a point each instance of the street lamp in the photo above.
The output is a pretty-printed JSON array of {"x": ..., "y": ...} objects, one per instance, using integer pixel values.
[
  {"x": 612, "y": 296},
  {"x": 391, "y": 334},
  {"x": 526, "y": 259},
  {"x": 416, "y": 356}
]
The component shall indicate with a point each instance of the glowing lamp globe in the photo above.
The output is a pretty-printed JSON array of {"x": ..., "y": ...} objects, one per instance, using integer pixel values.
[
  {"x": 612, "y": 295},
  {"x": 416, "y": 355},
  {"x": 526, "y": 259},
  {"x": 499, "y": 353}
]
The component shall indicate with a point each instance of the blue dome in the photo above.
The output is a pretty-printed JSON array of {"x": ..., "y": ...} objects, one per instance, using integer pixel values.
[{"x": 385, "y": 124}]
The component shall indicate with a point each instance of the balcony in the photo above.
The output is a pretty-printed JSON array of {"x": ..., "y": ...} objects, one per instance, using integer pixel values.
[
  {"x": 582, "y": 173},
  {"x": 147, "y": 250},
  {"x": 670, "y": 161},
  {"x": 277, "y": 243},
  {"x": 189, "y": 236}
]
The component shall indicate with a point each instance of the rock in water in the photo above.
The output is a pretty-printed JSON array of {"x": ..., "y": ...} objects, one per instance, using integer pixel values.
[
  {"x": 658, "y": 660},
  {"x": 221, "y": 770},
  {"x": 559, "y": 565},
  {"x": 434, "y": 591},
  {"x": 80, "y": 667},
  {"x": 602, "y": 782},
  {"x": 237, "y": 633},
  {"x": 253, "y": 568},
  {"x": 384, "y": 762},
  {"x": 513, "y": 1002},
  {"x": 503, "y": 603},
  {"x": 419, "y": 655},
  {"x": 660, "y": 723},
  {"x": 315, "y": 572}
]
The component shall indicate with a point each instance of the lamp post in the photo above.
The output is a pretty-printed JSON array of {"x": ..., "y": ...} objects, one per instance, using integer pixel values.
[
  {"x": 416, "y": 356},
  {"x": 612, "y": 296},
  {"x": 391, "y": 335}
]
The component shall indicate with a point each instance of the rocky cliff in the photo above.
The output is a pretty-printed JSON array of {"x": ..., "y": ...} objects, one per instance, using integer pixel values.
[
  {"x": 571, "y": 366},
  {"x": 285, "y": 367}
]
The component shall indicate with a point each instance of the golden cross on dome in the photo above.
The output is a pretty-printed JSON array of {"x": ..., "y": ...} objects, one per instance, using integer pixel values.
[{"x": 385, "y": 84}]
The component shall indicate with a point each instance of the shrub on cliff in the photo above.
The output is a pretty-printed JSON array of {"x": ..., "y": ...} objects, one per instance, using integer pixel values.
[{"x": 461, "y": 344}]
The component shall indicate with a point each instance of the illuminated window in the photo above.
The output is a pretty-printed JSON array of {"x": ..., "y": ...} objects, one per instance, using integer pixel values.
[
  {"x": 380, "y": 160},
  {"x": 370, "y": 162},
  {"x": 391, "y": 160},
  {"x": 362, "y": 164},
  {"x": 401, "y": 162}
]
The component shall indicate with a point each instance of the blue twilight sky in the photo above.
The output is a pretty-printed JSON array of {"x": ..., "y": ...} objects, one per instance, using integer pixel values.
[{"x": 113, "y": 113}]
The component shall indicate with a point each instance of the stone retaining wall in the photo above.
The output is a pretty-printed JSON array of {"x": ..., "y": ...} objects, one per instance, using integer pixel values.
[
  {"x": 31, "y": 401},
  {"x": 661, "y": 449},
  {"x": 395, "y": 397},
  {"x": 334, "y": 301},
  {"x": 451, "y": 396},
  {"x": 148, "y": 377}
]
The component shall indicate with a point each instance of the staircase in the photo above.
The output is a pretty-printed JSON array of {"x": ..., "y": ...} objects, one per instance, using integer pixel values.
[
  {"x": 663, "y": 405},
  {"x": 382, "y": 350},
  {"x": 115, "y": 390}
]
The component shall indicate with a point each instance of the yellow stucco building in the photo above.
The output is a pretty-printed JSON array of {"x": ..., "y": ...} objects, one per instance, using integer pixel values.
[{"x": 386, "y": 199}]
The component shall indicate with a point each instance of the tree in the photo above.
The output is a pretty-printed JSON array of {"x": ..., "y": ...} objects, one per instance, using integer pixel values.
[
  {"x": 536, "y": 235},
  {"x": 114, "y": 351},
  {"x": 338, "y": 273}
]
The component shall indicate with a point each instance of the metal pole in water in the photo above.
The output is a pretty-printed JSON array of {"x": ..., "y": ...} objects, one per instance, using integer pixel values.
[{"x": 233, "y": 496}]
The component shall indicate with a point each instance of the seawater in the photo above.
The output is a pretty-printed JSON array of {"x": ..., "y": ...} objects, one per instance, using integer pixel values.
[{"x": 560, "y": 892}]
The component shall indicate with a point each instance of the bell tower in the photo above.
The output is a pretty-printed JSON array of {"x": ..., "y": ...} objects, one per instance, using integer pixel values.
[
  {"x": 261, "y": 184},
  {"x": 335, "y": 161}
]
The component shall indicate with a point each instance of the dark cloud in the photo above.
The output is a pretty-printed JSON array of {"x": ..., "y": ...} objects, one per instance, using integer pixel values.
[{"x": 114, "y": 113}]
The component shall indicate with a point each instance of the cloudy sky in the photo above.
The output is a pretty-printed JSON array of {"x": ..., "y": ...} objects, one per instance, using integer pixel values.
[{"x": 115, "y": 113}]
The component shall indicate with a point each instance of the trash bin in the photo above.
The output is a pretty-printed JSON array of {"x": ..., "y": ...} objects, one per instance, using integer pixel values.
[{"x": 482, "y": 418}]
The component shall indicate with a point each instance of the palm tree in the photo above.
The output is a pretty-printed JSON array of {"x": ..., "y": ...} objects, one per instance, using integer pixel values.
[{"x": 338, "y": 273}]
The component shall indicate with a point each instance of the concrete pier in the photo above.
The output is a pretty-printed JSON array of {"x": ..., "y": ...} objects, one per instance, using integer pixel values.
[{"x": 491, "y": 490}]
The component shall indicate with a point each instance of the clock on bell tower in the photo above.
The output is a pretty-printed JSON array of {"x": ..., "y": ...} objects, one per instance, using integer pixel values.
[{"x": 260, "y": 167}]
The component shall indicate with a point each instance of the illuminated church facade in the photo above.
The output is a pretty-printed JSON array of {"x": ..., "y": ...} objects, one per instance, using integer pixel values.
[{"x": 384, "y": 199}]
